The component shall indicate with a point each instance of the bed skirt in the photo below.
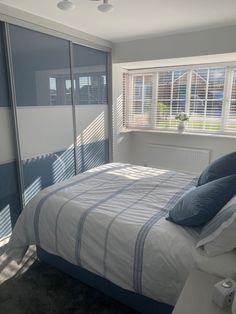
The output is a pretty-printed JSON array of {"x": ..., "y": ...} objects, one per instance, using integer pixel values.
[{"x": 136, "y": 301}]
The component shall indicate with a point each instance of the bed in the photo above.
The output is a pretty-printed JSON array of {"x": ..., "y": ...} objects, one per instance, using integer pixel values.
[{"x": 109, "y": 222}]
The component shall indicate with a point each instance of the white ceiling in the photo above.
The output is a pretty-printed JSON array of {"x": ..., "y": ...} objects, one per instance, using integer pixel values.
[{"x": 133, "y": 19}]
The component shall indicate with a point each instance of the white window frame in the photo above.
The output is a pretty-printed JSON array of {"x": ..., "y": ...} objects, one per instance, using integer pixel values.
[{"x": 229, "y": 72}]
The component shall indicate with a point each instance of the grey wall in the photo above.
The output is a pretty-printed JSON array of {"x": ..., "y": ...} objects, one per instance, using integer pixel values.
[
  {"x": 215, "y": 45},
  {"x": 200, "y": 43}
]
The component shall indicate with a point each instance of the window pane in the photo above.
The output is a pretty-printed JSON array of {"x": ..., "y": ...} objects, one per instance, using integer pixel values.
[
  {"x": 216, "y": 84},
  {"x": 198, "y": 95},
  {"x": 147, "y": 89},
  {"x": 137, "y": 107},
  {"x": 164, "y": 85},
  {"x": 172, "y": 87},
  {"x": 214, "y": 108},
  {"x": 163, "y": 114},
  {"x": 141, "y": 100},
  {"x": 138, "y": 87},
  {"x": 207, "y": 93}
]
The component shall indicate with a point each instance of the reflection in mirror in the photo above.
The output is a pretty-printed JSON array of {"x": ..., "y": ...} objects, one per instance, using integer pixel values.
[{"x": 35, "y": 54}]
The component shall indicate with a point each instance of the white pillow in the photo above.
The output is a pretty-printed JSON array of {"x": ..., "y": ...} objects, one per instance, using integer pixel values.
[{"x": 219, "y": 235}]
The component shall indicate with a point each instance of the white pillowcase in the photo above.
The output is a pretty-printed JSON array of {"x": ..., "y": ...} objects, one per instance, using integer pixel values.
[{"x": 219, "y": 235}]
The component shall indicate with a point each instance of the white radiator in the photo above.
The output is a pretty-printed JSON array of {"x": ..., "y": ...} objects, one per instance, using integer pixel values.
[{"x": 178, "y": 158}]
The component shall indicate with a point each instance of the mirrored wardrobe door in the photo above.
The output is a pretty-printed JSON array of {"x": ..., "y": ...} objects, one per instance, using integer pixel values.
[
  {"x": 91, "y": 106},
  {"x": 9, "y": 195},
  {"x": 42, "y": 76}
]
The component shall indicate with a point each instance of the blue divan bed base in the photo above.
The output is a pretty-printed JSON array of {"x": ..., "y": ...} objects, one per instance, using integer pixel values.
[{"x": 136, "y": 301}]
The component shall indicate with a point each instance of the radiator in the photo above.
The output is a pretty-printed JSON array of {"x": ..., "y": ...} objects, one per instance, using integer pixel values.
[{"x": 192, "y": 160}]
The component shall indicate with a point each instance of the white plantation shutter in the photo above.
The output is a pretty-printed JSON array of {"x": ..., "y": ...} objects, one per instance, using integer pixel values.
[
  {"x": 206, "y": 102},
  {"x": 125, "y": 100},
  {"x": 164, "y": 103},
  {"x": 231, "y": 113},
  {"x": 140, "y": 100},
  {"x": 152, "y": 100},
  {"x": 171, "y": 97}
]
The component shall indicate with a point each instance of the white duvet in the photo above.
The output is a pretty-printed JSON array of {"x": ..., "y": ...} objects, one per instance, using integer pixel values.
[{"x": 111, "y": 221}]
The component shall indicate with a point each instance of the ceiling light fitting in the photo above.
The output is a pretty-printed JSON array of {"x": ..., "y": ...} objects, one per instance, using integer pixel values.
[
  {"x": 105, "y": 7},
  {"x": 66, "y": 5}
]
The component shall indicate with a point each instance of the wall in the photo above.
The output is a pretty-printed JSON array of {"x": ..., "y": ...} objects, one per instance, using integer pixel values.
[
  {"x": 140, "y": 141},
  {"x": 121, "y": 141},
  {"x": 201, "y": 43},
  {"x": 216, "y": 45}
]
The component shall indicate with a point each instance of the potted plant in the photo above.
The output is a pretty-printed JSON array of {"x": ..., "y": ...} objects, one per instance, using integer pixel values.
[{"x": 182, "y": 118}]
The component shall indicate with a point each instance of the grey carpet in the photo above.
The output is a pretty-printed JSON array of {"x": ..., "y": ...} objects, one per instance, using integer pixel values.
[{"x": 43, "y": 289}]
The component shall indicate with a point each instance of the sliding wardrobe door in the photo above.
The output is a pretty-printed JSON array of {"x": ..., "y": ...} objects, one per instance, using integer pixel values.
[
  {"x": 41, "y": 66},
  {"x": 90, "y": 97},
  {"x": 9, "y": 196}
]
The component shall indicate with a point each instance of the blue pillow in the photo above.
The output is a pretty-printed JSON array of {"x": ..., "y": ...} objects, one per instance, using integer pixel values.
[
  {"x": 200, "y": 205},
  {"x": 222, "y": 167}
]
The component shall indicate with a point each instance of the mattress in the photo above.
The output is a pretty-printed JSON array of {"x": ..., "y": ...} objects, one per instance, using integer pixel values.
[{"x": 111, "y": 221}]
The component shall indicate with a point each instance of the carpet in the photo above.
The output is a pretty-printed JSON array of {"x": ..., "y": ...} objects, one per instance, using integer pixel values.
[{"x": 43, "y": 289}]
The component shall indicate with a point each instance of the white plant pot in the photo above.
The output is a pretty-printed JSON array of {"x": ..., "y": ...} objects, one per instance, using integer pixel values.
[{"x": 181, "y": 126}]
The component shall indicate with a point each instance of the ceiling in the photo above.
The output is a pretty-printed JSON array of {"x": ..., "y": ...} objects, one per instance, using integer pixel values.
[{"x": 133, "y": 19}]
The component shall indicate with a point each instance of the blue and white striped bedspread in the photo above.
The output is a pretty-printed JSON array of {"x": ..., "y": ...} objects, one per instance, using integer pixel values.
[{"x": 111, "y": 221}]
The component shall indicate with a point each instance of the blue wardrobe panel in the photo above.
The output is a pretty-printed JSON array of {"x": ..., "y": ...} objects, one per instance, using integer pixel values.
[
  {"x": 41, "y": 68},
  {"x": 4, "y": 91},
  {"x": 9, "y": 198}
]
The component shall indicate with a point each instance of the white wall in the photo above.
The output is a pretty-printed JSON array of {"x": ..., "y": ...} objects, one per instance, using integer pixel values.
[
  {"x": 140, "y": 141},
  {"x": 121, "y": 141},
  {"x": 216, "y": 45}
]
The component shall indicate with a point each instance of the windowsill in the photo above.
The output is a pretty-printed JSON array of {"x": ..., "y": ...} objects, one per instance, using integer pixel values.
[{"x": 186, "y": 133}]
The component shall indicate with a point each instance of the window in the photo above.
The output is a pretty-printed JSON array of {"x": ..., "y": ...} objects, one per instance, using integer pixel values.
[{"x": 207, "y": 94}]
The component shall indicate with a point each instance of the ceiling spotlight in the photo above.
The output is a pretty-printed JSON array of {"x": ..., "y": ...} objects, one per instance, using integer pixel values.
[
  {"x": 66, "y": 5},
  {"x": 105, "y": 7}
]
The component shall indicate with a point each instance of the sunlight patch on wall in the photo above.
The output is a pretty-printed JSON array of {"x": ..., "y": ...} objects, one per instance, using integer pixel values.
[
  {"x": 63, "y": 166},
  {"x": 94, "y": 132},
  {"x": 33, "y": 189}
]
